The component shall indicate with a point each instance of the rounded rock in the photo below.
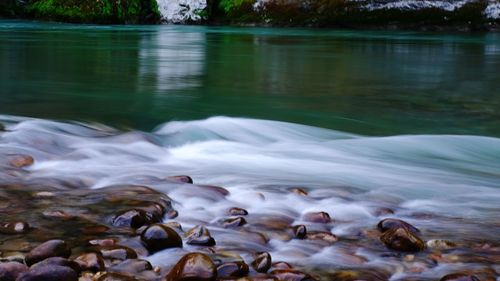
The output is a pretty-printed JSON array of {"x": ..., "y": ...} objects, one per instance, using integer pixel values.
[
  {"x": 57, "y": 261},
  {"x": 299, "y": 231},
  {"x": 402, "y": 239},
  {"x": 49, "y": 273},
  {"x": 235, "y": 211},
  {"x": 232, "y": 269},
  {"x": 199, "y": 235},
  {"x": 193, "y": 267},
  {"x": 183, "y": 179},
  {"x": 262, "y": 262},
  {"x": 387, "y": 224},
  {"x": 90, "y": 262},
  {"x": 131, "y": 218},
  {"x": 51, "y": 248},
  {"x": 459, "y": 277},
  {"x": 157, "y": 237},
  {"x": 317, "y": 217},
  {"x": 9, "y": 271},
  {"x": 234, "y": 222},
  {"x": 17, "y": 227}
]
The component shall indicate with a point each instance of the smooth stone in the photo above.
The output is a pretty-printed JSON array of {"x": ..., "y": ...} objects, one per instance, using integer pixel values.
[
  {"x": 49, "y": 273},
  {"x": 402, "y": 239},
  {"x": 199, "y": 235},
  {"x": 17, "y": 227},
  {"x": 291, "y": 275},
  {"x": 235, "y": 211},
  {"x": 90, "y": 262},
  {"x": 262, "y": 262},
  {"x": 102, "y": 242},
  {"x": 459, "y": 277},
  {"x": 317, "y": 217},
  {"x": 281, "y": 265},
  {"x": 234, "y": 222},
  {"x": 387, "y": 224},
  {"x": 183, "y": 179},
  {"x": 117, "y": 252},
  {"x": 299, "y": 231},
  {"x": 132, "y": 218},
  {"x": 57, "y": 261},
  {"x": 9, "y": 271},
  {"x": 113, "y": 276},
  {"x": 193, "y": 267},
  {"x": 51, "y": 248},
  {"x": 172, "y": 214},
  {"x": 440, "y": 244},
  {"x": 232, "y": 269},
  {"x": 299, "y": 191},
  {"x": 20, "y": 161},
  {"x": 157, "y": 237},
  {"x": 322, "y": 236},
  {"x": 132, "y": 266}
]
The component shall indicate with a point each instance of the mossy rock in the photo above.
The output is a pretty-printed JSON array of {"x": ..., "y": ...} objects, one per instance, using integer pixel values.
[{"x": 95, "y": 11}]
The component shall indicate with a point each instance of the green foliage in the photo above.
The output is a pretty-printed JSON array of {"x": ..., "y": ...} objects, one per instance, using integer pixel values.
[{"x": 231, "y": 5}]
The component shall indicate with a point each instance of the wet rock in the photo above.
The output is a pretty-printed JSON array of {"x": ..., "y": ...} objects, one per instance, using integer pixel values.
[
  {"x": 132, "y": 267},
  {"x": 132, "y": 218},
  {"x": 291, "y": 275},
  {"x": 102, "y": 242},
  {"x": 281, "y": 265},
  {"x": 387, "y": 224},
  {"x": 158, "y": 237},
  {"x": 232, "y": 269},
  {"x": 57, "y": 261},
  {"x": 299, "y": 191},
  {"x": 459, "y": 277},
  {"x": 317, "y": 217},
  {"x": 384, "y": 212},
  {"x": 440, "y": 244},
  {"x": 49, "y": 273},
  {"x": 116, "y": 252},
  {"x": 18, "y": 227},
  {"x": 183, "y": 179},
  {"x": 299, "y": 231},
  {"x": 193, "y": 266},
  {"x": 172, "y": 214},
  {"x": 51, "y": 248},
  {"x": 9, "y": 271},
  {"x": 90, "y": 262},
  {"x": 402, "y": 239},
  {"x": 235, "y": 211},
  {"x": 20, "y": 161},
  {"x": 262, "y": 262},
  {"x": 113, "y": 276},
  {"x": 322, "y": 236},
  {"x": 199, "y": 235},
  {"x": 234, "y": 222}
]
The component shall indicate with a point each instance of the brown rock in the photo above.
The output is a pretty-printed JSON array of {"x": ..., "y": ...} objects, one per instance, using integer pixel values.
[
  {"x": 299, "y": 191},
  {"x": 20, "y": 161},
  {"x": 158, "y": 237},
  {"x": 402, "y": 239},
  {"x": 51, "y": 248},
  {"x": 235, "y": 211},
  {"x": 234, "y": 222},
  {"x": 299, "y": 231},
  {"x": 113, "y": 276},
  {"x": 387, "y": 224},
  {"x": 291, "y": 275},
  {"x": 281, "y": 265},
  {"x": 132, "y": 267},
  {"x": 90, "y": 262},
  {"x": 459, "y": 277},
  {"x": 183, "y": 179},
  {"x": 9, "y": 271},
  {"x": 132, "y": 218},
  {"x": 232, "y": 269},
  {"x": 57, "y": 261},
  {"x": 193, "y": 267},
  {"x": 262, "y": 262},
  {"x": 322, "y": 236},
  {"x": 199, "y": 235},
  {"x": 317, "y": 217},
  {"x": 49, "y": 273},
  {"x": 116, "y": 252}
]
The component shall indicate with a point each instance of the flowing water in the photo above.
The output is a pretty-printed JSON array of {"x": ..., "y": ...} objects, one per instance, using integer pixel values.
[{"x": 393, "y": 120}]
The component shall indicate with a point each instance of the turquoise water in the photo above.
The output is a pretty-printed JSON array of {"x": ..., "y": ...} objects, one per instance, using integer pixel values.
[{"x": 366, "y": 82}]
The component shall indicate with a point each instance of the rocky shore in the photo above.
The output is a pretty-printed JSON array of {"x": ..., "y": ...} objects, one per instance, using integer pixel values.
[{"x": 467, "y": 15}]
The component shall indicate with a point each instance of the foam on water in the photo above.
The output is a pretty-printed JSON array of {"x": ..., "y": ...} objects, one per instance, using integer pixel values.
[{"x": 349, "y": 176}]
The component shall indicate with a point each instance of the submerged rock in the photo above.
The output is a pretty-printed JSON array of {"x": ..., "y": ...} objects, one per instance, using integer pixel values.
[
  {"x": 193, "y": 266},
  {"x": 440, "y": 244},
  {"x": 234, "y": 222},
  {"x": 291, "y": 275},
  {"x": 157, "y": 237},
  {"x": 132, "y": 218},
  {"x": 90, "y": 262},
  {"x": 183, "y": 179},
  {"x": 57, "y": 261},
  {"x": 52, "y": 248},
  {"x": 459, "y": 277},
  {"x": 116, "y": 252},
  {"x": 387, "y": 224},
  {"x": 232, "y": 269},
  {"x": 235, "y": 211},
  {"x": 49, "y": 273},
  {"x": 262, "y": 262},
  {"x": 402, "y": 239},
  {"x": 9, "y": 271},
  {"x": 199, "y": 235},
  {"x": 317, "y": 217},
  {"x": 20, "y": 161},
  {"x": 299, "y": 231}
]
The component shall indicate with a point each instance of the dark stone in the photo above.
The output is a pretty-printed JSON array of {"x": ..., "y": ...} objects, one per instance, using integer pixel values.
[
  {"x": 116, "y": 252},
  {"x": 235, "y": 211},
  {"x": 387, "y": 224},
  {"x": 317, "y": 217},
  {"x": 199, "y": 235},
  {"x": 9, "y": 271},
  {"x": 49, "y": 273},
  {"x": 299, "y": 191},
  {"x": 234, "y": 222},
  {"x": 158, "y": 237},
  {"x": 291, "y": 275},
  {"x": 232, "y": 269},
  {"x": 193, "y": 267},
  {"x": 57, "y": 261},
  {"x": 299, "y": 231},
  {"x": 113, "y": 276},
  {"x": 51, "y": 248},
  {"x": 90, "y": 262},
  {"x": 402, "y": 239},
  {"x": 459, "y": 277},
  {"x": 183, "y": 179},
  {"x": 262, "y": 262},
  {"x": 132, "y": 218},
  {"x": 18, "y": 227},
  {"x": 132, "y": 267}
]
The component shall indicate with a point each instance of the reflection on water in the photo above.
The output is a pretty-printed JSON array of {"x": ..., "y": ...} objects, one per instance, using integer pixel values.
[{"x": 379, "y": 83}]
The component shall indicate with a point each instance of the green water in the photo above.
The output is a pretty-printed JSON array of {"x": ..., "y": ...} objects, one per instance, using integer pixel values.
[{"x": 368, "y": 82}]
